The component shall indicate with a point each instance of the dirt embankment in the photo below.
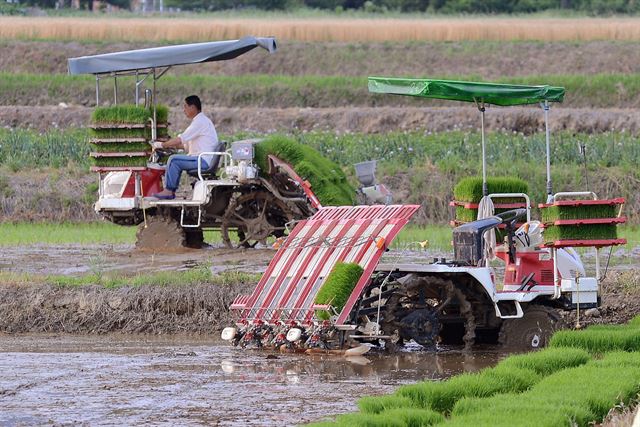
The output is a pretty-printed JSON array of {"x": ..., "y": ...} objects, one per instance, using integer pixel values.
[
  {"x": 352, "y": 119},
  {"x": 200, "y": 309},
  {"x": 488, "y": 60}
]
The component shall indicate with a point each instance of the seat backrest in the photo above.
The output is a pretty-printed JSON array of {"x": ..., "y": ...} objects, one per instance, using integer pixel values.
[{"x": 215, "y": 161}]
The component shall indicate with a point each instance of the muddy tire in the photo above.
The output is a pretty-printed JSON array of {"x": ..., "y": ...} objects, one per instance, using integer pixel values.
[
  {"x": 406, "y": 317},
  {"x": 165, "y": 233},
  {"x": 532, "y": 331},
  {"x": 252, "y": 218}
]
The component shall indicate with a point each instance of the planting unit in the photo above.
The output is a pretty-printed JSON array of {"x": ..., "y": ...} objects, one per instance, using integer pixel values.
[{"x": 300, "y": 301}]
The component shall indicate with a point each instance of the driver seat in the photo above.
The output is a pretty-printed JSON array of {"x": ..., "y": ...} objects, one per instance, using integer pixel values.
[{"x": 210, "y": 173}]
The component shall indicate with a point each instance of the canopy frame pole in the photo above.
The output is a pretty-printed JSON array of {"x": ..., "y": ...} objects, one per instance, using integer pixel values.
[
  {"x": 546, "y": 107},
  {"x": 481, "y": 107},
  {"x": 115, "y": 89},
  {"x": 154, "y": 130},
  {"x": 138, "y": 84},
  {"x": 97, "y": 90},
  {"x": 137, "y": 87}
]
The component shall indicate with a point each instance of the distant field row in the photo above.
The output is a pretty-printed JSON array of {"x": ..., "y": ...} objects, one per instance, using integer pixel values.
[
  {"x": 420, "y": 168},
  {"x": 600, "y": 90},
  {"x": 321, "y": 29},
  {"x": 487, "y": 59}
]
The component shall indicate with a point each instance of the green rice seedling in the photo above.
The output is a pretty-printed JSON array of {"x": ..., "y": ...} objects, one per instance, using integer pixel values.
[
  {"x": 466, "y": 215},
  {"x": 414, "y": 417},
  {"x": 470, "y": 189},
  {"x": 377, "y": 404},
  {"x": 120, "y": 161},
  {"x": 511, "y": 379},
  {"x": 328, "y": 181},
  {"x": 598, "y": 341},
  {"x": 441, "y": 396},
  {"x": 518, "y": 410},
  {"x": 120, "y": 133},
  {"x": 121, "y": 147},
  {"x": 338, "y": 287},
  {"x": 553, "y": 213},
  {"x": 368, "y": 420},
  {"x": 128, "y": 114},
  {"x": 582, "y": 232},
  {"x": 635, "y": 322},
  {"x": 405, "y": 417},
  {"x": 619, "y": 359},
  {"x": 548, "y": 360}
]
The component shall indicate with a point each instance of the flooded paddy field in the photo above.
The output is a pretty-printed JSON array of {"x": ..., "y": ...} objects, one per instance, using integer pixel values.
[
  {"x": 141, "y": 379},
  {"x": 77, "y": 259}
]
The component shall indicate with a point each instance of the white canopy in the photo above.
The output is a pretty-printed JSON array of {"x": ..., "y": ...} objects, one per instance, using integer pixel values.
[{"x": 158, "y": 57}]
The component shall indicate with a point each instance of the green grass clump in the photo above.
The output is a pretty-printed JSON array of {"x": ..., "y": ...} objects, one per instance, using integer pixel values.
[
  {"x": 574, "y": 396},
  {"x": 553, "y": 213},
  {"x": 377, "y": 404},
  {"x": 120, "y": 147},
  {"x": 401, "y": 417},
  {"x": 442, "y": 396},
  {"x": 138, "y": 161},
  {"x": 128, "y": 114},
  {"x": 327, "y": 180},
  {"x": 470, "y": 189},
  {"x": 598, "y": 340},
  {"x": 338, "y": 287},
  {"x": 581, "y": 232},
  {"x": 548, "y": 361}
]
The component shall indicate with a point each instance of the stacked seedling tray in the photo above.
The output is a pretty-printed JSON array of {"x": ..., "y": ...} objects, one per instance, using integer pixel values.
[
  {"x": 468, "y": 193},
  {"x": 573, "y": 223},
  {"x": 120, "y": 137}
]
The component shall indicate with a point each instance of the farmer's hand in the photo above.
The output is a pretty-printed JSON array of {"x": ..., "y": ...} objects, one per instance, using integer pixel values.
[{"x": 157, "y": 145}]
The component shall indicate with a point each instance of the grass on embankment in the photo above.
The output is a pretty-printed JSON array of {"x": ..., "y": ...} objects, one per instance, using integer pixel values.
[
  {"x": 195, "y": 276},
  {"x": 282, "y": 91},
  {"x": 557, "y": 386},
  {"x": 106, "y": 233}
]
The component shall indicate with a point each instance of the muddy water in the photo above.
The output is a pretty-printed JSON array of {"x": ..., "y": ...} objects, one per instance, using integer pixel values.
[
  {"x": 79, "y": 259},
  {"x": 85, "y": 259},
  {"x": 65, "y": 379}
]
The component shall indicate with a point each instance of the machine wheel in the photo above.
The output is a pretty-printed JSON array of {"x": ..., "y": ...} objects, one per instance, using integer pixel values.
[
  {"x": 163, "y": 232},
  {"x": 533, "y": 330},
  {"x": 254, "y": 217},
  {"x": 413, "y": 310}
]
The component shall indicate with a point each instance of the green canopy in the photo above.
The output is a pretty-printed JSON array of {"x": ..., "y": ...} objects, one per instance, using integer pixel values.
[{"x": 489, "y": 93}]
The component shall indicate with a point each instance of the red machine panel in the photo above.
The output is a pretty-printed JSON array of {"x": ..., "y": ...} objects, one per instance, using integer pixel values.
[{"x": 287, "y": 290}]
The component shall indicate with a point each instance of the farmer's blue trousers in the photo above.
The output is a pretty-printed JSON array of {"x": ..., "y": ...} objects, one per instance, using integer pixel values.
[{"x": 178, "y": 163}]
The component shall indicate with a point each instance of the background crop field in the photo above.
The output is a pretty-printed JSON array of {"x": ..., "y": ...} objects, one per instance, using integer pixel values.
[{"x": 329, "y": 29}]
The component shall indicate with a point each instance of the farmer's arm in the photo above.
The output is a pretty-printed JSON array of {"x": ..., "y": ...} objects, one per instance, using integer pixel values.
[{"x": 175, "y": 142}]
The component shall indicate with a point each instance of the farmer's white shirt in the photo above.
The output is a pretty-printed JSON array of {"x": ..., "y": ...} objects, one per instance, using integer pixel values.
[{"x": 199, "y": 137}]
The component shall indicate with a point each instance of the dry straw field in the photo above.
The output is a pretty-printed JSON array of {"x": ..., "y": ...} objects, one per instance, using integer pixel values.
[{"x": 322, "y": 29}]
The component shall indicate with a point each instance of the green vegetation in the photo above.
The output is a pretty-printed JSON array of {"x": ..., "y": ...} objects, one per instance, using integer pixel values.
[
  {"x": 553, "y": 213},
  {"x": 194, "y": 276},
  {"x": 338, "y": 287},
  {"x": 121, "y": 147},
  {"x": 123, "y": 161},
  {"x": 600, "y": 339},
  {"x": 98, "y": 233},
  {"x": 574, "y": 383},
  {"x": 426, "y": 166},
  {"x": 327, "y": 179},
  {"x": 128, "y": 114},
  {"x": 470, "y": 189},
  {"x": 284, "y": 91},
  {"x": 582, "y": 232}
]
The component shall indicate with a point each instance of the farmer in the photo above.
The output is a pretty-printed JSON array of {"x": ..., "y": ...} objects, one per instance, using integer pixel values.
[{"x": 198, "y": 138}]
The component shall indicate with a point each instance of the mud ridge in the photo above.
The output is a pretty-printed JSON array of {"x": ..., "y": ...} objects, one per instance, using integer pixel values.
[{"x": 199, "y": 309}]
